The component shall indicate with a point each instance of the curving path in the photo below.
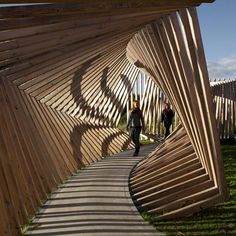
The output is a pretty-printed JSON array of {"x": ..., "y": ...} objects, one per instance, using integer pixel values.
[{"x": 95, "y": 201}]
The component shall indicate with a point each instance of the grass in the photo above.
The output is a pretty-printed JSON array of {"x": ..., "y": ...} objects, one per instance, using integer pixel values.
[
  {"x": 219, "y": 220},
  {"x": 144, "y": 141},
  {"x": 123, "y": 126}
]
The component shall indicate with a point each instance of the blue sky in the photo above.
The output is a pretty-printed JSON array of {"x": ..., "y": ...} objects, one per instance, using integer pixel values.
[{"x": 218, "y": 28}]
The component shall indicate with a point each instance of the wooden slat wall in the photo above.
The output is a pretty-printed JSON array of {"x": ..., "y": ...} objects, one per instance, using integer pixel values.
[
  {"x": 40, "y": 147},
  {"x": 170, "y": 51},
  {"x": 171, "y": 182},
  {"x": 64, "y": 80},
  {"x": 224, "y": 93},
  {"x": 224, "y": 88}
]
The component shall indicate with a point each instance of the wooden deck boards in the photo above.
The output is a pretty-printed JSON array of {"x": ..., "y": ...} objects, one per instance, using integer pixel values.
[{"x": 95, "y": 201}]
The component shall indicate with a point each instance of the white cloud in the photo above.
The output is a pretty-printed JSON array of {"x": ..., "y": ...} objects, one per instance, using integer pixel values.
[{"x": 223, "y": 68}]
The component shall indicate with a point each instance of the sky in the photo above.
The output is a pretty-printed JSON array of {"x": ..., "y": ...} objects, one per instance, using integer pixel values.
[{"x": 218, "y": 29}]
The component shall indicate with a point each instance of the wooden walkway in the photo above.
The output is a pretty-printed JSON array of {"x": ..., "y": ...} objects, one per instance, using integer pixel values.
[{"x": 95, "y": 201}]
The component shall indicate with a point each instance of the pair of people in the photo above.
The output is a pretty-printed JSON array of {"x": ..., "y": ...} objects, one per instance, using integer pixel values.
[{"x": 136, "y": 123}]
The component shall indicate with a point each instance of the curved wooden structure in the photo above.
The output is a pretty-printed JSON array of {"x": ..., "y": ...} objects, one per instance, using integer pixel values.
[
  {"x": 186, "y": 174},
  {"x": 64, "y": 80}
]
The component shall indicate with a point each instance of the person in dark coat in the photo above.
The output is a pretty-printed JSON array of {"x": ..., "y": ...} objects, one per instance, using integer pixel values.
[
  {"x": 136, "y": 124},
  {"x": 166, "y": 117}
]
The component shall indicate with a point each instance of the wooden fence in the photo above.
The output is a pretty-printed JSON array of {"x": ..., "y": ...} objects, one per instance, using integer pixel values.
[{"x": 224, "y": 93}]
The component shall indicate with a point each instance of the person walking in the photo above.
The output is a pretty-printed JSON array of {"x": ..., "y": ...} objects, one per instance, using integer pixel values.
[
  {"x": 136, "y": 124},
  {"x": 166, "y": 117}
]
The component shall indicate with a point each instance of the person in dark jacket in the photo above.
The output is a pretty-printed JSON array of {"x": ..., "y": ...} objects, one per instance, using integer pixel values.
[
  {"x": 136, "y": 124},
  {"x": 166, "y": 117}
]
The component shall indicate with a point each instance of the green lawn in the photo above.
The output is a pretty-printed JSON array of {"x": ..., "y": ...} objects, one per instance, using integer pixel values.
[
  {"x": 144, "y": 141},
  {"x": 219, "y": 220}
]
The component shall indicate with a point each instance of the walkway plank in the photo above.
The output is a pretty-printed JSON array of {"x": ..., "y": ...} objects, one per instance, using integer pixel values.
[{"x": 95, "y": 201}]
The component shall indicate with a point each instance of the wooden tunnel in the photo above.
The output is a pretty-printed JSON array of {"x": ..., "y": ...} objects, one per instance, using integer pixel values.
[{"x": 66, "y": 70}]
